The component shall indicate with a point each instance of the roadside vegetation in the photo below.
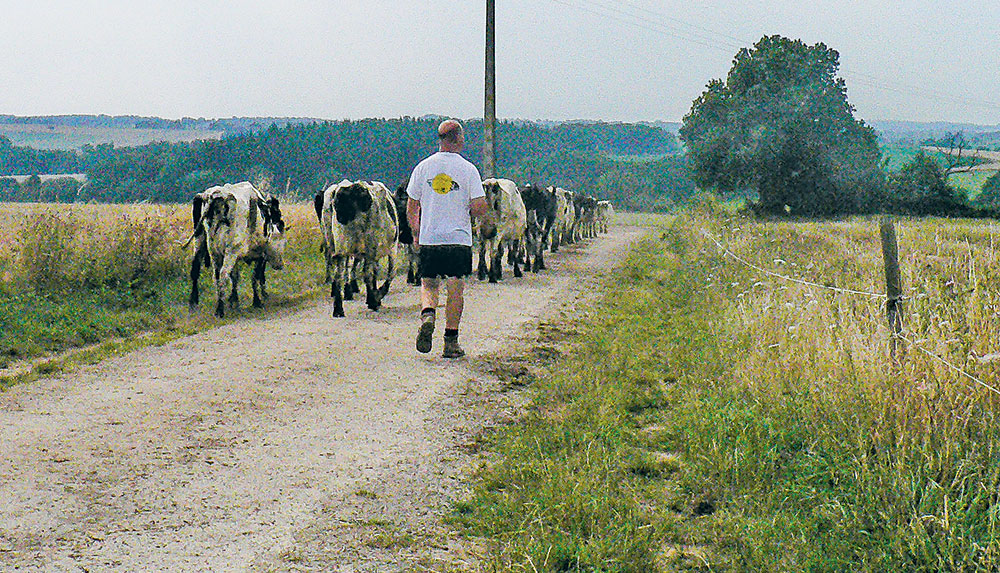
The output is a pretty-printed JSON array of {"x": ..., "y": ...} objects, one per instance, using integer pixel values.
[
  {"x": 714, "y": 418},
  {"x": 79, "y": 275}
]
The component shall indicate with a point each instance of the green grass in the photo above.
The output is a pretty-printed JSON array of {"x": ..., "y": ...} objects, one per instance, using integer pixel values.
[
  {"x": 80, "y": 284},
  {"x": 713, "y": 418}
]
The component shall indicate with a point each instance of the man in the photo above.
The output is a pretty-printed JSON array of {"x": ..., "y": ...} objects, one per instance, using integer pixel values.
[{"x": 444, "y": 194}]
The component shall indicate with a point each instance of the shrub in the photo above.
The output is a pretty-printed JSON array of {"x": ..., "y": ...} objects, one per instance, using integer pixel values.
[
  {"x": 48, "y": 250},
  {"x": 990, "y": 195}
]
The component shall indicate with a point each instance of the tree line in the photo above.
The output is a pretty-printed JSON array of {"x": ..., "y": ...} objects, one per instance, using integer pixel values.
[{"x": 301, "y": 159}]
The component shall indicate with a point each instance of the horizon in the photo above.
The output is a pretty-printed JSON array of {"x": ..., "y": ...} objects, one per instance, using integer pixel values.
[{"x": 436, "y": 116}]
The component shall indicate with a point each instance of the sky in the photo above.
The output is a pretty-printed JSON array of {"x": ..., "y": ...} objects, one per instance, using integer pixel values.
[{"x": 611, "y": 60}]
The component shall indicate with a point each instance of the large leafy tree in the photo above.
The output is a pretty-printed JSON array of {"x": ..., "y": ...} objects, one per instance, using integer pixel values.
[{"x": 780, "y": 125}]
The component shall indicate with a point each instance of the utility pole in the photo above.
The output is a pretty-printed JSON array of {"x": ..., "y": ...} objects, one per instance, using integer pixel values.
[{"x": 490, "y": 113}]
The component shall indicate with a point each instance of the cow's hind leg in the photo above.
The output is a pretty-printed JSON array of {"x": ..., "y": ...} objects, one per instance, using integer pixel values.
[
  {"x": 218, "y": 265},
  {"x": 496, "y": 267},
  {"x": 354, "y": 275},
  {"x": 539, "y": 263},
  {"x": 515, "y": 248},
  {"x": 336, "y": 286},
  {"x": 481, "y": 270},
  {"x": 413, "y": 267},
  {"x": 257, "y": 282},
  {"x": 390, "y": 272},
  {"x": 234, "y": 277},
  {"x": 200, "y": 252},
  {"x": 372, "y": 300}
]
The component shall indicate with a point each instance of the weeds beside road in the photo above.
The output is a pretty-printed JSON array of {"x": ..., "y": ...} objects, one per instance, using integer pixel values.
[{"x": 714, "y": 418}]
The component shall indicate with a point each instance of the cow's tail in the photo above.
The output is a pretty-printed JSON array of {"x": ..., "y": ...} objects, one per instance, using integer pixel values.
[{"x": 199, "y": 217}]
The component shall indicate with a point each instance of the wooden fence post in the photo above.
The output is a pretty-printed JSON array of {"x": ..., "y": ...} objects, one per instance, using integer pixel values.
[{"x": 893, "y": 287}]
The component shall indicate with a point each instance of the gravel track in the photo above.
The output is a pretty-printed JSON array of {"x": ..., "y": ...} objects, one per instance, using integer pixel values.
[{"x": 290, "y": 442}]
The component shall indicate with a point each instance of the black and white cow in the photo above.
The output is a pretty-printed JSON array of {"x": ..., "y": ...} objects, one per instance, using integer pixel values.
[
  {"x": 605, "y": 211},
  {"x": 540, "y": 205},
  {"x": 501, "y": 227},
  {"x": 235, "y": 224},
  {"x": 359, "y": 221},
  {"x": 562, "y": 228},
  {"x": 586, "y": 211}
]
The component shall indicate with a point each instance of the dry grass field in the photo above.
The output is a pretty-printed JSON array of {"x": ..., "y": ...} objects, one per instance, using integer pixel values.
[{"x": 74, "y": 275}]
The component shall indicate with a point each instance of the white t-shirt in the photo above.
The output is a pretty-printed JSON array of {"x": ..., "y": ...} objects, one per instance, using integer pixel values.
[{"x": 445, "y": 183}]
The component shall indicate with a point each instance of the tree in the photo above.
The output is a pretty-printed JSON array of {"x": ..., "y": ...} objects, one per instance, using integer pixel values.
[
  {"x": 780, "y": 126},
  {"x": 921, "y": 188},
  {"x": 31, "y": 189},
  {"x": 990, "y": 195}
]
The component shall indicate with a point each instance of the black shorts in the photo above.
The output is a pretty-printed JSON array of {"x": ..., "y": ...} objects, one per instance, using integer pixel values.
[{"x": 437, "y": 261}]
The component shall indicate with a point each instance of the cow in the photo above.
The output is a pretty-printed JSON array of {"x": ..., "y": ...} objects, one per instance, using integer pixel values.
[
  {"x": 562, "y": 227},
  {"x": 605, "y": 211},
  {"x": 540, "y": 205},
  {"x": 502, "y": 227},
  {"x": 586, "y": 207},
  {"x": 406, "y": 236},
  {"x": 235, "y": 224},
  {"x": 358, "y": 221}
]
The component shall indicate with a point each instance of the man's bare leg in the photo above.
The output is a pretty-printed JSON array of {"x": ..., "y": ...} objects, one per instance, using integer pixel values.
[
  {"x": 428, "y": 305},
  {"x": 429, "y": 293},
  {"x": 455, "y": 303},
  {"x": 453, "y": 316}
]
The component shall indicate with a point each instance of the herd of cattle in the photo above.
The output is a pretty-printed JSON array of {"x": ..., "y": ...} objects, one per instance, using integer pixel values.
[{"x": 363, "y": 224}]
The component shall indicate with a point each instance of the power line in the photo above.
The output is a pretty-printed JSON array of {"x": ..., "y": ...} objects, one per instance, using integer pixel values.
[
  {"x": 654, "y": 21},
  {"x": 640, "y": 22}
]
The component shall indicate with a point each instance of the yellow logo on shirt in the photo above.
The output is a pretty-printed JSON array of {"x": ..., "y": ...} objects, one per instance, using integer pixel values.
[{"x": 442, "y": 184}]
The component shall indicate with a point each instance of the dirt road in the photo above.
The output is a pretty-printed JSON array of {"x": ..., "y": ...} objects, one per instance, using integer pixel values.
[{"x": 292, "y": 442}]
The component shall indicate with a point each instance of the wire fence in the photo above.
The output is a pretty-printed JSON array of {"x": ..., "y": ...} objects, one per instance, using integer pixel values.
[{"x": 912, "y": 345}]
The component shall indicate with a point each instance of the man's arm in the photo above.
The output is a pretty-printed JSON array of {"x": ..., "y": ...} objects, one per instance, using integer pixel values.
[
  {"x": 478, "y": 207},
  {"x": 413, "y": 216}
]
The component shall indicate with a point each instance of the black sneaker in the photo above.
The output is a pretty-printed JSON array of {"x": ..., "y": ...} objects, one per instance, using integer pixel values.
[
  {"x": 425, "y": 336},
  {"x": 451, "y": 348}
]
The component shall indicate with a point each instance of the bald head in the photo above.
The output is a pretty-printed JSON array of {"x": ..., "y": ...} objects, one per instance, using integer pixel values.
[{"x": 450, "y": 135}]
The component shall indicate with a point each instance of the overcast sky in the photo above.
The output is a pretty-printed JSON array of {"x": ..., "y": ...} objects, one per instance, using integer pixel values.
[{"x": 614, "y": 60}]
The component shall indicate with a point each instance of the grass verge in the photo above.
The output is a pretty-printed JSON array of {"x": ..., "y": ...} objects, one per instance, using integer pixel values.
[{"x": 714, "y": 419}]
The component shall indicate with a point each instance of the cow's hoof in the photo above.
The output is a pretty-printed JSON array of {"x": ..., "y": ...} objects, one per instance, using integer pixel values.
[
  {"x": 338, "y": 313},
  {"x": 493, "y": 280},
  {"x": 518, "y": 273}
]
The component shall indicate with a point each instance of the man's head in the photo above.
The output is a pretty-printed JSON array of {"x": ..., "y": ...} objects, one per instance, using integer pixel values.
[{"x": 450, "y": 136}]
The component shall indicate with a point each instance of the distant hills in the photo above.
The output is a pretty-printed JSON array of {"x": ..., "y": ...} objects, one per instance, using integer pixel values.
[
  {"x": 914, "y": 132},
  {"x": 72, "y": 131},
  {"x": 69, "y": 132}
]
